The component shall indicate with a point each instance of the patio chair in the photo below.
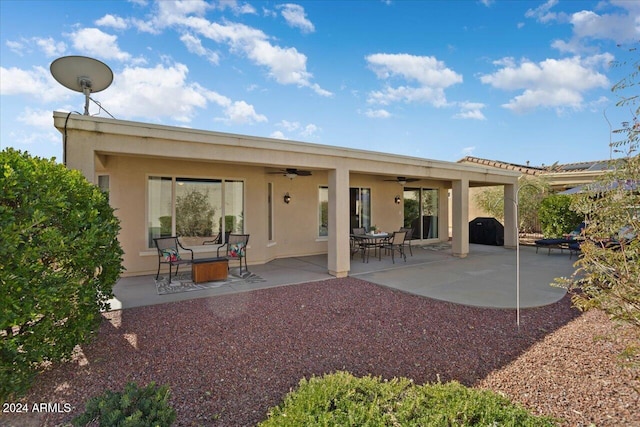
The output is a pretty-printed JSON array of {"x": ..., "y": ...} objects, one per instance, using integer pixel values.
[
  {"x": 236, "y": 248},
  {"x": 169, "y": 253},
  {"x": 393, "y": 244},
  {"x": 408, "y": 238},
  {"x": 360, "y": 245}
]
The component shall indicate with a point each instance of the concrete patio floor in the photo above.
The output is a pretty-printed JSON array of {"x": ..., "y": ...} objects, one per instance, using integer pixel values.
[{"x": 485, "y": 278}]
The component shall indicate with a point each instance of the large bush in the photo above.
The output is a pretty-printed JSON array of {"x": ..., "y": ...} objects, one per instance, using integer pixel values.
[
  {"x": 60, "y": 259},
  {"x": 557, "y": 217},
  {"x": 341, "y": 399}
]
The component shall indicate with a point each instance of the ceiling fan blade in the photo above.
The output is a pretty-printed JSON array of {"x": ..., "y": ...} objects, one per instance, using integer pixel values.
[{"x": 303, "y": 173}]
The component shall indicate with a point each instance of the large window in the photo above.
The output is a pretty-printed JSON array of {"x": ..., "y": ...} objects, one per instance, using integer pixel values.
[
  {"x": 193, "y": 208},
  {"x": 421, "y": 212}
]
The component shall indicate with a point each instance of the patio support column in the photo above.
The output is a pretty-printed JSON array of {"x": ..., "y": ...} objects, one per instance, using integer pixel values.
[
  {"x": 338, "y": 253},
  {"x": 510, "y": 216},
  {"x": 460, "y": 217}
]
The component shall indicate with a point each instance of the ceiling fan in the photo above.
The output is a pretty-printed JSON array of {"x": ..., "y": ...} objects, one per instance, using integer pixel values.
[
  {"x": 292, "y": 172},
  {"x": 402, "y": 180}
]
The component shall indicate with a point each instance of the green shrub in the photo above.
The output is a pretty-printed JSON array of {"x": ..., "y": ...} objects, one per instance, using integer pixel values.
[
  {"x": 556, "y": 216},
  {"x": 341, "y": 399},
  {"x": 135, "y": 407},
  {"x": 60, "y": 259}
]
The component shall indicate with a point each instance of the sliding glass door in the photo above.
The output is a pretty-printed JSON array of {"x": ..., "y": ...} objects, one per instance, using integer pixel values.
[
  {"x": 360, "y": 208},
  {"x": 421, "y": 212}
]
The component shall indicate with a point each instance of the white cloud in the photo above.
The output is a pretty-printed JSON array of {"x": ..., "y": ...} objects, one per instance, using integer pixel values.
[
  {"x": 95, "y": 42},
  {"x": 36, "y": 82},
  {"x": 471, "y": 110},
  {"x": 16, "y": 47},
  {"x": 296, "y": 17},
  {"x": 194, "y": 45},
  {"x": 37, "y": 118},
  {"x": 617, "y": 27},
  {"x": 309, "y": 130},
  {"x": 621, "y": 26},
  {"x": 50, "y": 47},
  {"x": 277, "y": 135},
  {"x": 543, "y": 12},
  {"x": 550, "y": 83},
  {"x": 239, "y": 112},
  {"x": 285, "y": 64},
  {"x": 377, "y": 114},
  {"x": 289, "y": 126},
  {"x": 468, "y": 151},
  {"x": 163, "y": 91},
  {"x": 23, "y": 137},
  {"x": 431, "y": 75},
  {"x": 239, "y": 9},
  {"x": 112, "y": 21},
  {"x": 295, "y": 127}
]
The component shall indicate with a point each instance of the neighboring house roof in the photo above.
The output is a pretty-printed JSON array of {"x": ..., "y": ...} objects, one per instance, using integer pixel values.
[
  {"x": 596, "y": 165},
  {"x": 525, "y": 169},
  {"x": 561, "y": 176}
]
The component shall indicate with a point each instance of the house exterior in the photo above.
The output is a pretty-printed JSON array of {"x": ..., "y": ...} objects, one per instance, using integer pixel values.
[{"x": 165, "y": 180}]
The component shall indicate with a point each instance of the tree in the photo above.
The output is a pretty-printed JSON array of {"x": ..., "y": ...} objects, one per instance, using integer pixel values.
[
  {"x": 607, "y": 274},
  {"x": 532, "y": 191},
  {"x": 556, "y": 216},
  {"x": 60, "y": 259},
  {"x": 194, "y": 214}
]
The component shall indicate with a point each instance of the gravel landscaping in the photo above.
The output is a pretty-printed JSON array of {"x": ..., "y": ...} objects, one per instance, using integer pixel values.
[{"x": 229, "y": 358}]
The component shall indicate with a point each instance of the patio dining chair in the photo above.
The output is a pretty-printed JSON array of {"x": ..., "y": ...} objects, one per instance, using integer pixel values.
[
  {"x": 235, "y": 248},
  {"x": 408, "y": 237},
  {"x": 169, "y": 253},
  {"x": 393, "y": 244},
  {"x": 360, "y": 245}
]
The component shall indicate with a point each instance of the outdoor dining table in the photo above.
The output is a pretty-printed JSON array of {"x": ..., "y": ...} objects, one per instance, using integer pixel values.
[{"x": 368, "y": 241}]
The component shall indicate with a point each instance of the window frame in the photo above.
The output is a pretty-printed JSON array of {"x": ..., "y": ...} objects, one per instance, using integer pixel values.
[{"x": 174, "y": 179}]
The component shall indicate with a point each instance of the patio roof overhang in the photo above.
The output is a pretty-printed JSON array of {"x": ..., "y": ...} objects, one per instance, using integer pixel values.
[{"x": 151, "y": 140}]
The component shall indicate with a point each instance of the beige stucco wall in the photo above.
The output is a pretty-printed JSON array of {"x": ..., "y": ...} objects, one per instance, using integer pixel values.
[{"x": 295, "y": 224}]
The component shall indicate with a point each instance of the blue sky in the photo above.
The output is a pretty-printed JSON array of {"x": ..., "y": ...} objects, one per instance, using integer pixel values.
[{"x": 515, "y": 81}]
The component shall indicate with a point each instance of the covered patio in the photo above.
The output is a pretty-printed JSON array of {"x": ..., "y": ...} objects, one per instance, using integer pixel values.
[
  {"x": 485, "y": 278},
  {"x": 148, "y": 169}
]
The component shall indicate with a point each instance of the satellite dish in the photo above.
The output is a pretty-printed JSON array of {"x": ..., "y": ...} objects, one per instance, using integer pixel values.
[{"x": 82, "y": 74}]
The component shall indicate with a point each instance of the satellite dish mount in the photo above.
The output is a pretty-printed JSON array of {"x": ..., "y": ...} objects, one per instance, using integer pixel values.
[{"x": 82, "y": 74}]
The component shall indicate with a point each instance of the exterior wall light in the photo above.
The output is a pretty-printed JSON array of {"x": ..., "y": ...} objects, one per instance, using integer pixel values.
[
  {"x": 287, "y": 198},
  {"x": 397, "y": 200}
]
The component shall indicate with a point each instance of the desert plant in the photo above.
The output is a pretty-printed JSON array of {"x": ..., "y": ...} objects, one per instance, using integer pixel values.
[
  {"x": 607, "y": 274},
  {"x": 556, "y": 216},
  {"x": 60, "y": 259},
  {"x": 341, "y": 399},
  {"x": 135, "y": 407}
]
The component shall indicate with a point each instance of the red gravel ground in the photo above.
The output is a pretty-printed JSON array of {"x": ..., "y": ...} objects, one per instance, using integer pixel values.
[{"x": 229, "y": 358}]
